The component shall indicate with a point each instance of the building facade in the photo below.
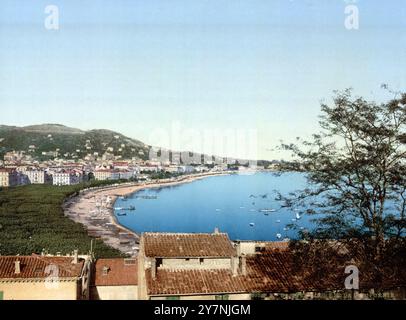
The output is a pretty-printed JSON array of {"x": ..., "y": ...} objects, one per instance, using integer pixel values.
[
  {"x": 44, "y": 277},
  {"x": 8, "y": 177}
]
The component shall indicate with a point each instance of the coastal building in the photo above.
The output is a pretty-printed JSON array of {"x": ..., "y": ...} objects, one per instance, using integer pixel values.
[
  {"x": 9, "y": 177},
  {"x": 109, "y": 174},
  {"x": 115, "y": 279},
  {"x": 44, "y": 277},
  {"x": 66, "y": 178},
  {"x": 34, "y": 176}
]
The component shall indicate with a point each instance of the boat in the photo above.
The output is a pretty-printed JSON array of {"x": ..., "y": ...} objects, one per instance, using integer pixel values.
[
  {"x": 298, "y": 216},
  {"x": 242, "y": 207},
  {"x": 118, "y": 208},
  {"x": 278, "y": 235},
  {"x": 131, "y": 208},
  {"x": 278, "y": 221},
  {"x": 218, "y": 210},
  {"x": 293, "y": 220},
  {"x": 252, "y": 224},
  {"x": 121, "y": 214},
  {"x": 267, "y": 210}
]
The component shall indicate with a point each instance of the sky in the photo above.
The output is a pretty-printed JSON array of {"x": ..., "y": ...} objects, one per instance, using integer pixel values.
[{"x": 171, "y": 72}]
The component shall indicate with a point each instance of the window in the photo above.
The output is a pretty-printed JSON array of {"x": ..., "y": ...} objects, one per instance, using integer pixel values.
[
  {"x": 158, "y": 262},
  {"x": 222, "y": 297},
  {"x": 173, "y": 298},
  {"x": 201, "y": 260}
]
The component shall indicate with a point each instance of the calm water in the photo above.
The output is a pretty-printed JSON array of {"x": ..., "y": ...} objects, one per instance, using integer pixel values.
[{"x": 230, "y": 203}]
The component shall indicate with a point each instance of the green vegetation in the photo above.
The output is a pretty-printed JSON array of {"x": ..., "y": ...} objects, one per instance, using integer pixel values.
[
  {"x": 32, "y": 219},
  {"x": 66, "y": 140}
]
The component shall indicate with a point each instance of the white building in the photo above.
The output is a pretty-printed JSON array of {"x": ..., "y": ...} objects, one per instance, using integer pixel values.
[
  {"x": 36, "y": 176},
  {"x": 66, "y": 178}
]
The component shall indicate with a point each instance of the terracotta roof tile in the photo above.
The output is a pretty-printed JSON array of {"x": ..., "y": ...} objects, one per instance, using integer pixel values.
[
  {"x": 274, "y": 271},
  {"x": 36, "y": 267},
  {"x": 119, "y": 272},
  {"x": 188, "y": 245}
]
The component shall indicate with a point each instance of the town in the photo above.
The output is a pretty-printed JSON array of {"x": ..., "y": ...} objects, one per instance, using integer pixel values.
[{"x": 20, "y": 168}]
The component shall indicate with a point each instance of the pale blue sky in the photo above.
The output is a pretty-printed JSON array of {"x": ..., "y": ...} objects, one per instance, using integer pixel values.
[{"x": 135, "y": 66}]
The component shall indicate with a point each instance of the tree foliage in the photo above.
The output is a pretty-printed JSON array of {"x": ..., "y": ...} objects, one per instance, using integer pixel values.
[{"x": 356, "y": 170}]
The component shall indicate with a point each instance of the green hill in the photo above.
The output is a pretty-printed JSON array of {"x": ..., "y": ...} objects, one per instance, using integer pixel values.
[{"x": 68, "y": 142}]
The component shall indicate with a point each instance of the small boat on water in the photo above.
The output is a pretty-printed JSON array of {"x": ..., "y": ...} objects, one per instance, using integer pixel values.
[
  {"x": 298, "y": 216},
  {"x": 118, "y": 208},
  {"x": 242, "y": 207},
  {"x": 252, "y": 224},
  {"x": 218, "y": 210},
  {"x": 278, "y": 235},
  {"x": 121, "y": 214},
  {"x": 267, "y": 210},
  {"x": 131, "y": 208},
  {"x": 278, "y": 221}
]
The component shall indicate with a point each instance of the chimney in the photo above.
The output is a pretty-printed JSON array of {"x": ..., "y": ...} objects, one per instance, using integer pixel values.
[
  {"x": 234, "y": 266},
  {"x": 153, "y": 268},
  {"x": 243, "y": 265},
  {"x": 17, "y": 269},
  {"x": 75, "y": 256}
]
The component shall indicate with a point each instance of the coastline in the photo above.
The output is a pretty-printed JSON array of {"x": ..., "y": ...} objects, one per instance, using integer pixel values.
[{"x": 94, "y": 209}]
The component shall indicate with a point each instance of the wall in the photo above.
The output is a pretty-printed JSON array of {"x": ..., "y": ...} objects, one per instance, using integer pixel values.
[
  {"x": 24, "y": 290},
  {"x": 208, "y": 263},
  {"x": 114, "y": 293}
]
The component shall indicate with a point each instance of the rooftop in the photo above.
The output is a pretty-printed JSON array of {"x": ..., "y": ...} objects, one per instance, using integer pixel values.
[
  {"x": 172, "y": 245},
  {"x": 37, "y": 267},
  {"x": 115, "y": 272}
]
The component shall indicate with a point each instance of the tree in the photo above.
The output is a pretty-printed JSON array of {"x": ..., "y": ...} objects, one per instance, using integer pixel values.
[{"x": 356, "y": 171}]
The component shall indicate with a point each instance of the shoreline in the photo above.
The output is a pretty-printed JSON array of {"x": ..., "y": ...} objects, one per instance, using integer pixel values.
[{"x": 94, "y": 209}]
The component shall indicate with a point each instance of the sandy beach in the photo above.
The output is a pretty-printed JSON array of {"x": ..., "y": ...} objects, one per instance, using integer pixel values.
[{"x": 94, "y": 208}]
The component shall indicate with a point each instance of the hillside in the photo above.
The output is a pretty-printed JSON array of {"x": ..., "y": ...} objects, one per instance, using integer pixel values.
[{"x": 68, "y": 142}]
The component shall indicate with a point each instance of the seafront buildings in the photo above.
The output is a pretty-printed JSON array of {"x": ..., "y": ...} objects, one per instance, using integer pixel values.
[
  {"x": 19, "y": 169},
  {"x": 185, "y": 266}
]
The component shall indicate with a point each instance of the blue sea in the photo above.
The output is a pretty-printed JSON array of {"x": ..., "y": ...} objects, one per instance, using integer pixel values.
[{"x": 231, "y": 203}]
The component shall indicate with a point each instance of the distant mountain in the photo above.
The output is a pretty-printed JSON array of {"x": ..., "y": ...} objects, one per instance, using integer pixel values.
[
  {"x": 68, "y": 142},
  {"x": 52, "y": 128}
]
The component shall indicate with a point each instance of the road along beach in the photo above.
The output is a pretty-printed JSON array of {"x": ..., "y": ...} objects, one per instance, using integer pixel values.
[{"x": 94, "y": 208}]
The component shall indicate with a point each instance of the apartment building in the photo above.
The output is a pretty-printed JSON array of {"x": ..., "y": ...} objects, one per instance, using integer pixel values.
[
  {"x": 9, "y": 177},
  {"x": 66, "y": 178},
  {"x": 34, "y": 176}
]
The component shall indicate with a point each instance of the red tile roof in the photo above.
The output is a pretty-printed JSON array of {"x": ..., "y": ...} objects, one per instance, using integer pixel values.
[
  {"x": 274, "y": 271},
  {"x": 120, "y": 272},
  {"x": 36, "y": 267},
  {"x": 188, "y": 245}
]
